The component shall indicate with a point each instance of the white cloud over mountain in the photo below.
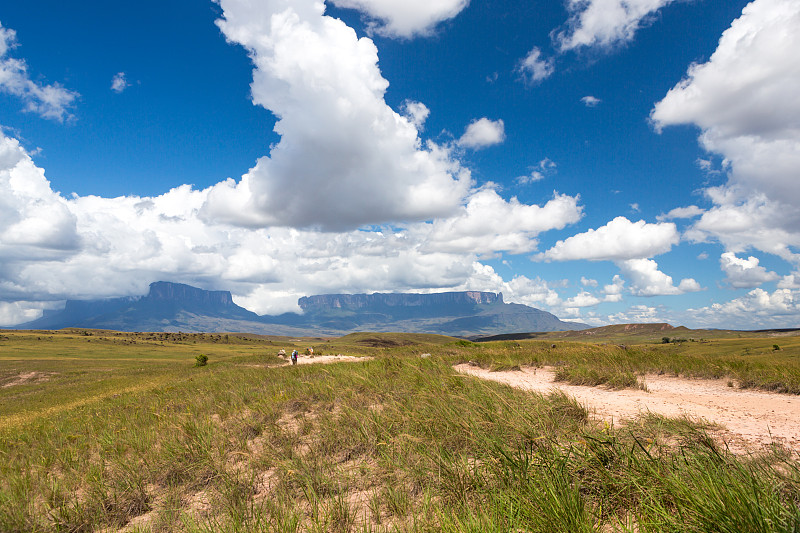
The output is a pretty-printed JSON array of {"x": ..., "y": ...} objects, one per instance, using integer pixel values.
[{"x": 51, "y": 245}]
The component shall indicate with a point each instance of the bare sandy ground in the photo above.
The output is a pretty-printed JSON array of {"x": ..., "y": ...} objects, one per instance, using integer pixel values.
[
  {"x": 751, "y": 419},
  {"x": 323, "y": 359},
  {"x": 28, "y": 377}
]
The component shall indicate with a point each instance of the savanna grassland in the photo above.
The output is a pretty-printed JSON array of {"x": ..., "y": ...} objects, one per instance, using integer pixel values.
[{"x": 105, "y": 431}]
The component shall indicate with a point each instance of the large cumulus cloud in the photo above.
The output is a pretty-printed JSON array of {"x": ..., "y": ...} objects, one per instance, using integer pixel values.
[
  {"x": 629, "y": 245},
  {"x": 345, "y": 158},
  {"x": 744, "y": 100}
]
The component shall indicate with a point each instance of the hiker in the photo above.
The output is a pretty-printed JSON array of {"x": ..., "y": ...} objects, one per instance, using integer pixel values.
[{"x": 294, "y": 357}]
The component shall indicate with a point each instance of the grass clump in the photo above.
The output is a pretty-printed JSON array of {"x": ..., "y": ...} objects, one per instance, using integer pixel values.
[{"x": 613, "y": 378}]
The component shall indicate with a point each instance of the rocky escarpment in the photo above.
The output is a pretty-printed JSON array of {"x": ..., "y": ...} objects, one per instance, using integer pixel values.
[
  {"x": 166, "y": 291},
  {"x": 178, "y": 307},
  {"x": 166, "y": 307},
  {"x": 353, "y": 302}
]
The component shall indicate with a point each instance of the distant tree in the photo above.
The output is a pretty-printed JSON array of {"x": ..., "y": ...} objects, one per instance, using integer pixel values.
[
  {"x": 664, "y": 340},
  {"x": 201, "y": 360}
]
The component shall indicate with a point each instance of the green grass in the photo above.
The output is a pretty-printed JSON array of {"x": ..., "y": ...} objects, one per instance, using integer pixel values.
[
  {"x": 748, "y": 362},
  {"x": 133, "y": 437}
]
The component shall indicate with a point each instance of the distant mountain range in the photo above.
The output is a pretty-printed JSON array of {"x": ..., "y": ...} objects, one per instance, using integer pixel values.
[{"x": 178, "y": 307}]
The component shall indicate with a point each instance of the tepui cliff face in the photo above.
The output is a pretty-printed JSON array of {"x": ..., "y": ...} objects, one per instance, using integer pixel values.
[
  {"x": 354, "y": 302},
  {"x": 167, "y": 291},
  {"x": 178, "y": 307}
]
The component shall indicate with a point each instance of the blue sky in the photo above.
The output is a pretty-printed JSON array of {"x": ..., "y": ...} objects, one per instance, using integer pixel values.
[{"x": 606, "y": 161}]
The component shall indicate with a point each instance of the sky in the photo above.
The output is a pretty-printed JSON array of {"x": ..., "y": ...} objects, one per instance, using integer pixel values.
[{"x": 609, "y": 161}]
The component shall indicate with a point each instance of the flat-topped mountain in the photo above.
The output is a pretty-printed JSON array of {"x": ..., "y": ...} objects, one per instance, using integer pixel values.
[
  {"x": 166, "y": 307},
  {"x": 363, "y": 301},
  {"x": 464, "y": 314},
  {"x": 178, "y": 307},
  {"x": 165, "y": 291}
]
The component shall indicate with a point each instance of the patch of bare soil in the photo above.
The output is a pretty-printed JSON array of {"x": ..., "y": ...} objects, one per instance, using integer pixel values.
[
  {"x": 751, "y": 418},
  {"x": 28, "y": 377},
  {"x": 324, "y": 359}
]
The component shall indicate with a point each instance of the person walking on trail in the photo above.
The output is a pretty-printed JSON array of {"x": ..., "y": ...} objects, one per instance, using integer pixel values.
[{"x": 294, "y": 357}]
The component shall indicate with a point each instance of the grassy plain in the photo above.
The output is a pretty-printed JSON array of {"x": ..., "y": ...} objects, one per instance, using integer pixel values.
[{"x": 105, "y": 431}]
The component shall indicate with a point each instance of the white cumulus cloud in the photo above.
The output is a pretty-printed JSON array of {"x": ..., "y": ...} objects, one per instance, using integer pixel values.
[
  {"x": 791, "y": 281},
  {"x": 49, "y": 101},
  {"x": 606, "y": 22},
  {"x": 34, "y": 221},
  {"x": 119, "y": 83},
  {"x": 345, "y": 158},
  {"x": 534, "y": 67},
  {"x": 682, "y": 212},
  {"x": 590, "y": 101},
  {"x": 647, "y": 280},
  {"x": 637, "y": 314},
  {"x": 613, "y": 291},
  {"x": 744, "y": 273},
  {"x": 489, "y": 224},
  {"x": 618, "y": 240},
  {"x": 582, "y": 299},
  {"x": 416, "y": 112},
  {"x": 407, "y": 18},
  {"x": 545, "y": 167},
  {"x": 483, "y": 132},
  {"x": 744, "y": 100},
  {"x": 756, "y": 310},
  {"x": 757, "y": 222}
]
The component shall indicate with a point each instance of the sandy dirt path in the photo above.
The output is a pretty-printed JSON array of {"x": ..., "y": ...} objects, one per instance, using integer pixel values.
[
  {"x": 323, "y": 359},
  {"x": 751, "y": 418}
]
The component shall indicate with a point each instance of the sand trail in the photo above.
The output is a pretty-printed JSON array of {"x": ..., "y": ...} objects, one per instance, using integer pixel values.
[
  {"x": 751, "y": 418},
  {"x": 323, "y": 359}
]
